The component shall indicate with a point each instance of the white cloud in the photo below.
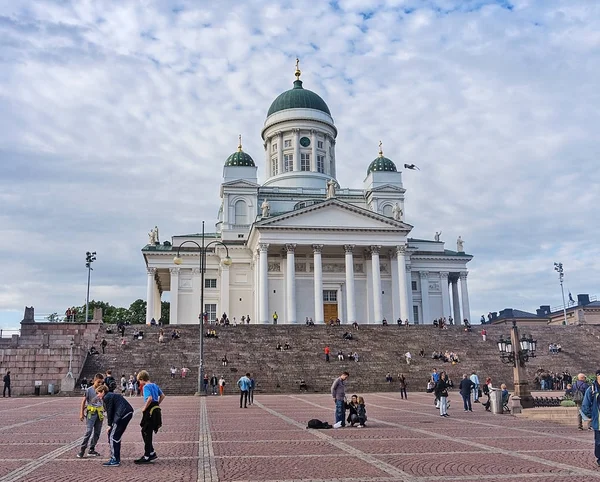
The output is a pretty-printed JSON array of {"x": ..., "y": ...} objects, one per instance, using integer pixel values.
[{"x": 116, "y": 116}]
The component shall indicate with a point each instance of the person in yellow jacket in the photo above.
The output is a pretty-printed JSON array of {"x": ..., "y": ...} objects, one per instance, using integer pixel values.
[{"x": 93, "y": 411}]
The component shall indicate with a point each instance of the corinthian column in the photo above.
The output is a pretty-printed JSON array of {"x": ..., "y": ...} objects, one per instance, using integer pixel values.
[
  {"x": 291, "y": 283},
  {"x": 465, "y": 296},
  {"x": 350, "y": 301},
  {"x": 377, "y": 304},
  {"x": 424, "y": 275},
  {"x": 402, "y": 285},
  {"x": 174, "y": 296},
  {"x": 317, "y": 249},
  {"x": 263, "y": 283},
  {"x": 150, "y": 302}
]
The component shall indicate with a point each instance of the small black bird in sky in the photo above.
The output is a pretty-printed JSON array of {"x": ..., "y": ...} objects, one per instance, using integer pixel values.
[{"x": 412, "y": 167}]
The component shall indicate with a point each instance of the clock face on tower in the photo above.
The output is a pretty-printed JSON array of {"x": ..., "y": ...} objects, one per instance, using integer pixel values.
[{"x": 305, "y": 142}]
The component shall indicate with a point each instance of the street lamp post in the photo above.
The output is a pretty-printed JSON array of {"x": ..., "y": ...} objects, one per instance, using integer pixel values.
[
  {"x": 89, "y": 259},
  {"x": 517, "y": 351},
  {"x": 227, "y": 262},
  {"x": 558, "y": 267}
]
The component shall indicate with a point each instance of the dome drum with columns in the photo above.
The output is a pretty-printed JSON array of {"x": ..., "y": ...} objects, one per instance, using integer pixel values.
[{"x": 305, "y": 247}]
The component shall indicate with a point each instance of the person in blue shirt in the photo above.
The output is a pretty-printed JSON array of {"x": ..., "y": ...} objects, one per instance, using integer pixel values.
[
  {"x": 251, "y": 392},
  {"x": 151, "y": 415},
  {"x": 591, "y": 409},
  {"x": 244, "y": 383}
]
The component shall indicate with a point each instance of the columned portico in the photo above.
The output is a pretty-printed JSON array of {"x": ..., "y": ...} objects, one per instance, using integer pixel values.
[
  {"x": 290, "y": 283},
  {"x": 375, "y": 267},
  {"x": 465, "y": 296},
  {"x": 455, "y": 302},
  {"x": 173, "y": 319},
  {"x": 445, "y": 294},
  {"x": 263, "y": 283},
  {"x": 318, "y": 278},
  {"x": 150, "y": 292},
  {"x": 402, "y": 285},
  {"x": 350, "y": 300},
  {"x": 424, "y": 276}
]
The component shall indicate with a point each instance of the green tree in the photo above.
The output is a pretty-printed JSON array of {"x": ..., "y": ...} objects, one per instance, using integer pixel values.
[
  {"x": 137, "y": 312},
  {"x": 165, "y": 308}
]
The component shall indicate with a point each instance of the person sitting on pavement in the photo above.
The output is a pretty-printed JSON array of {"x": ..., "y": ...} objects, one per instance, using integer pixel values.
[
  {"x": 352, "y": 410},
  {"x": 340, "y": 355}
]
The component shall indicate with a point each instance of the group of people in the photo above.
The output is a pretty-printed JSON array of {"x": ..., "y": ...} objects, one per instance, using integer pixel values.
[
  {"x": 357, "y": 412},
  {"x": 183, "y": 371},
  {"x": 554, "y": 348},
  {"x": 545, "y": 380},
  {"x": 340, "y": 355},
  {"x": 286, "y": 346},
  {"x": 101, "y": 401},
  {"x": 224, "y": 320},
  {"x": 215, "y": 384},
  {"x": 446, "y": 357}
]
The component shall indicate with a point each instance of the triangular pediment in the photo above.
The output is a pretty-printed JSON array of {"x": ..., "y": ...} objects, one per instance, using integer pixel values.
[
  {"x": 239, "y": 183},
  {"x": 387, "y": 188},
  {"x": 334, "y": 214}
]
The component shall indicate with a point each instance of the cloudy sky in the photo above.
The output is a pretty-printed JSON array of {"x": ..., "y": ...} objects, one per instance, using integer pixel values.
[{"x": 118, "y": 116}]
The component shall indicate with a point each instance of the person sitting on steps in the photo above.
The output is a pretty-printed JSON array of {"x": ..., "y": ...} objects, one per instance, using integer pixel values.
[
  {"x": 224, "y": 361},
  {"x": 286, "y": 346},
  {"x": 278, "y": 347},
  {"x": 303, "y": 385}
]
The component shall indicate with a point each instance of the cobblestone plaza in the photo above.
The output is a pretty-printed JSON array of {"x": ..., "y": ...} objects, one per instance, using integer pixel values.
[{"x": 212, "y": 439}]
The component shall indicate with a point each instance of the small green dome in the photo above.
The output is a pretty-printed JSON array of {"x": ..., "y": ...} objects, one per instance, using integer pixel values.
[
  {"x": 382, "y": 164},
  {"x": 240, "y": 158},
  {"x": 298, "y": 98}
]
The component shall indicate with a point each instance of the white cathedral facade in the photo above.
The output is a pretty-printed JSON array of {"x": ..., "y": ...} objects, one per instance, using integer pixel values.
[{"x": 304, "y": 247}]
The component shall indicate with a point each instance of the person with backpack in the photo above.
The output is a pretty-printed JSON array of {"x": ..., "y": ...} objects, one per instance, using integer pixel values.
[
  {"x": 110, "y": 381},
  {"x": 578, "y": 390},
  {"x": 151, "y": 415},
  {"x": 92, "y": 411},
  {"x": 590, "y": 408}
]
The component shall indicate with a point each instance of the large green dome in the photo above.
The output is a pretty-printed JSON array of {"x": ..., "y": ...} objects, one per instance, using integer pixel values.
[
  {"x": 298, "y": 98},
  {"x": 382, "y": 164},
  {"x": 239, "y": 158}
]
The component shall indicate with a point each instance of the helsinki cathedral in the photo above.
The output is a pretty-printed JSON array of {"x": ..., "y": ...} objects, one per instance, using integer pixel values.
[{"x": 300, "y": 245}]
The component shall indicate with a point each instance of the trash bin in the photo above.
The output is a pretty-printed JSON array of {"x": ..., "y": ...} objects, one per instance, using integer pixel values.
[
  {"x": 496, "y": 401},
  {"x": 50, "y": 388},
  {"x": 37, "y": 391}
]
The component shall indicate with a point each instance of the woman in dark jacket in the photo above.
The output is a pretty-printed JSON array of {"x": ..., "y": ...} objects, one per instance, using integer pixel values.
[
  {"x": 352, "y": 408},
  {"x": 441, "y": 392}
]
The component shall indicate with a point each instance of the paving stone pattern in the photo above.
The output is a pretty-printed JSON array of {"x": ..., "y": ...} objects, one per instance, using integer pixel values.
[{"x": 212, "y": 439}]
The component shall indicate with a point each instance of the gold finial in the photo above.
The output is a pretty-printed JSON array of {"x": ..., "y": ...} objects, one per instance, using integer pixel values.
[
  {"x": 297, "y": 73},
  {"x": 380, "y": 149},
  {"x": 240, "y": 143}
]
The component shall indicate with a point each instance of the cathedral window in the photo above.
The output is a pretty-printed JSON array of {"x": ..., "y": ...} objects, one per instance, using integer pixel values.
[
  {"x": 320, "y": 144},
  {"x": 305, "y": 162},
  {"x": 416, "y": 315},
  {"x": 211, "y": 311},
  {"x": 210, "y": 282},
  {"x": 274, "y": 148},
  {"x": 320, "y": 163},
  {"x": 287, "y": 143},
  {"x": 241, "y": 212},
  {"x": 413, "y": 285},
  {"x": 288, "y": 162},
  {"x": 274, "y": 167}
]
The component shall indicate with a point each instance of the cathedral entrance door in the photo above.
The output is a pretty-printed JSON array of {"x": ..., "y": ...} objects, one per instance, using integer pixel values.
[{"x": 330, "y": 310}]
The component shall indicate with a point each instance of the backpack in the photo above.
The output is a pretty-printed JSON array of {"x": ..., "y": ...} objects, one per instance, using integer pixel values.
[
  {"x": 577, "y": 394},
  {"x": 317, "y": 424},
  {"x": 111, "y": 383}
]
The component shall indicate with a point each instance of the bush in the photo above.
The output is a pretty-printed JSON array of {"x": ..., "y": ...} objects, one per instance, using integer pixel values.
[{"x": 568, "y": 403}]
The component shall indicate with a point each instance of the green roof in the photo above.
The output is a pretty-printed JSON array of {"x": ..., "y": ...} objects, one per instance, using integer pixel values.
[
  {"x": 239, "y": 158},
  {"x": 298, "y": 98},
  {"x": 382, "y": 164}
]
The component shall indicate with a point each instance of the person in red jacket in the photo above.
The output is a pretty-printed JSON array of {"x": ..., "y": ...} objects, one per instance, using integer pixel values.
[{"x": 327, "y": 353}]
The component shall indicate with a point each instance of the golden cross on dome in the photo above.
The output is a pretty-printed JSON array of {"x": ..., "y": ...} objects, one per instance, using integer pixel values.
[
  {"x": 380, "y": 149},
  {"x": 297, "y": 73},
  {"x": 240, "y": 143}
]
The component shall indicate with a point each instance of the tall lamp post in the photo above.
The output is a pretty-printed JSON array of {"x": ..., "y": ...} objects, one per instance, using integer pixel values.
[
  {"x": 558, "y": 267},
  {"x": 227, "y": 262},
  {"x": 516, "y": 352},
  {"x": 89, "y": 259}
]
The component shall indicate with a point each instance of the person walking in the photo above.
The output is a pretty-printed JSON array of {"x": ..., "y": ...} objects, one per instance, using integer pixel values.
[
  {"x": 151, "y": 415},
  {"x": 475, "y": 379},
  {"x": 251, "y": 392},
  {"x": 591, "y": 409},
  {"x": 466, "y": 387},
  {"x": 578, "y": 390},
  {"x": 221, "y": 385},
  {"x": 118, "y": 415},
  {"x": 327, "y": 353},
  {"x": 214, "y": 383},
  {"x": 6, "y": 381},
  {"x": 93, "y": 410},
  {"x": 402, "y": 382},
  {"x": 338, "y": 392},
  {"x": 244, "y": 384},
  {"x": 204, "y": 382},
  {"x": 441, "y": 393},
  {"x": 103, "y": 344}
]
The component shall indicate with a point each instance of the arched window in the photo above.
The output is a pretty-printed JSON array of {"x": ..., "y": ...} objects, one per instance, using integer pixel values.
[
  {"x": 241, "y": 212},
  {"x": 387, "y": 210}
]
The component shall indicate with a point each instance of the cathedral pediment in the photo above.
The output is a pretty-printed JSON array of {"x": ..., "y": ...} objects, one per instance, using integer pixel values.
[
  {"x": 333, "y": 214},
  {"x": 388, "y": 188},
  {"x": 240, "y": 183}
]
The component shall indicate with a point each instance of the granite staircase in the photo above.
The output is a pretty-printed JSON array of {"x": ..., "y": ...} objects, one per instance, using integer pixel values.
[{"x": 381, "y": 350}]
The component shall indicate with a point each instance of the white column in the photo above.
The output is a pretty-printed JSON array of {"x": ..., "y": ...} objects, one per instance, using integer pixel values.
[
  {"x": 377, "y": 317},
  {"x": 333, "y": 171},
  {"x": 157, "y": 303},
  {"x": 291, "y": 283},
  {"x": 296, "y": 149},
  {"x": 269, "y": 150},
  {"x": 424, "y": 276},
  {"x": 465, "y": 296},
  {"x": 409, "y": 293},
  {"x": 263, "y": 283},
  {"x": 327, "y": 157},
  {"x": 224, "y": 308},
  {"x": 340, "y": 303},
  {"x": 403, "y": 286},
  {"x": 150, "y": 295},
  {"x": 445, "y": 294},
  {"x": 196, "y": 290},
  {"x": 319, "y": 316},
  {"x": 280, "y": 151},
  {"x": 313, "y": 143},
  {"x": 456, "y": 302},
  {"x": 174, "y": 296},
  {"x": 350, "y": 301},
  {"x": 395, "y": 289}
]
